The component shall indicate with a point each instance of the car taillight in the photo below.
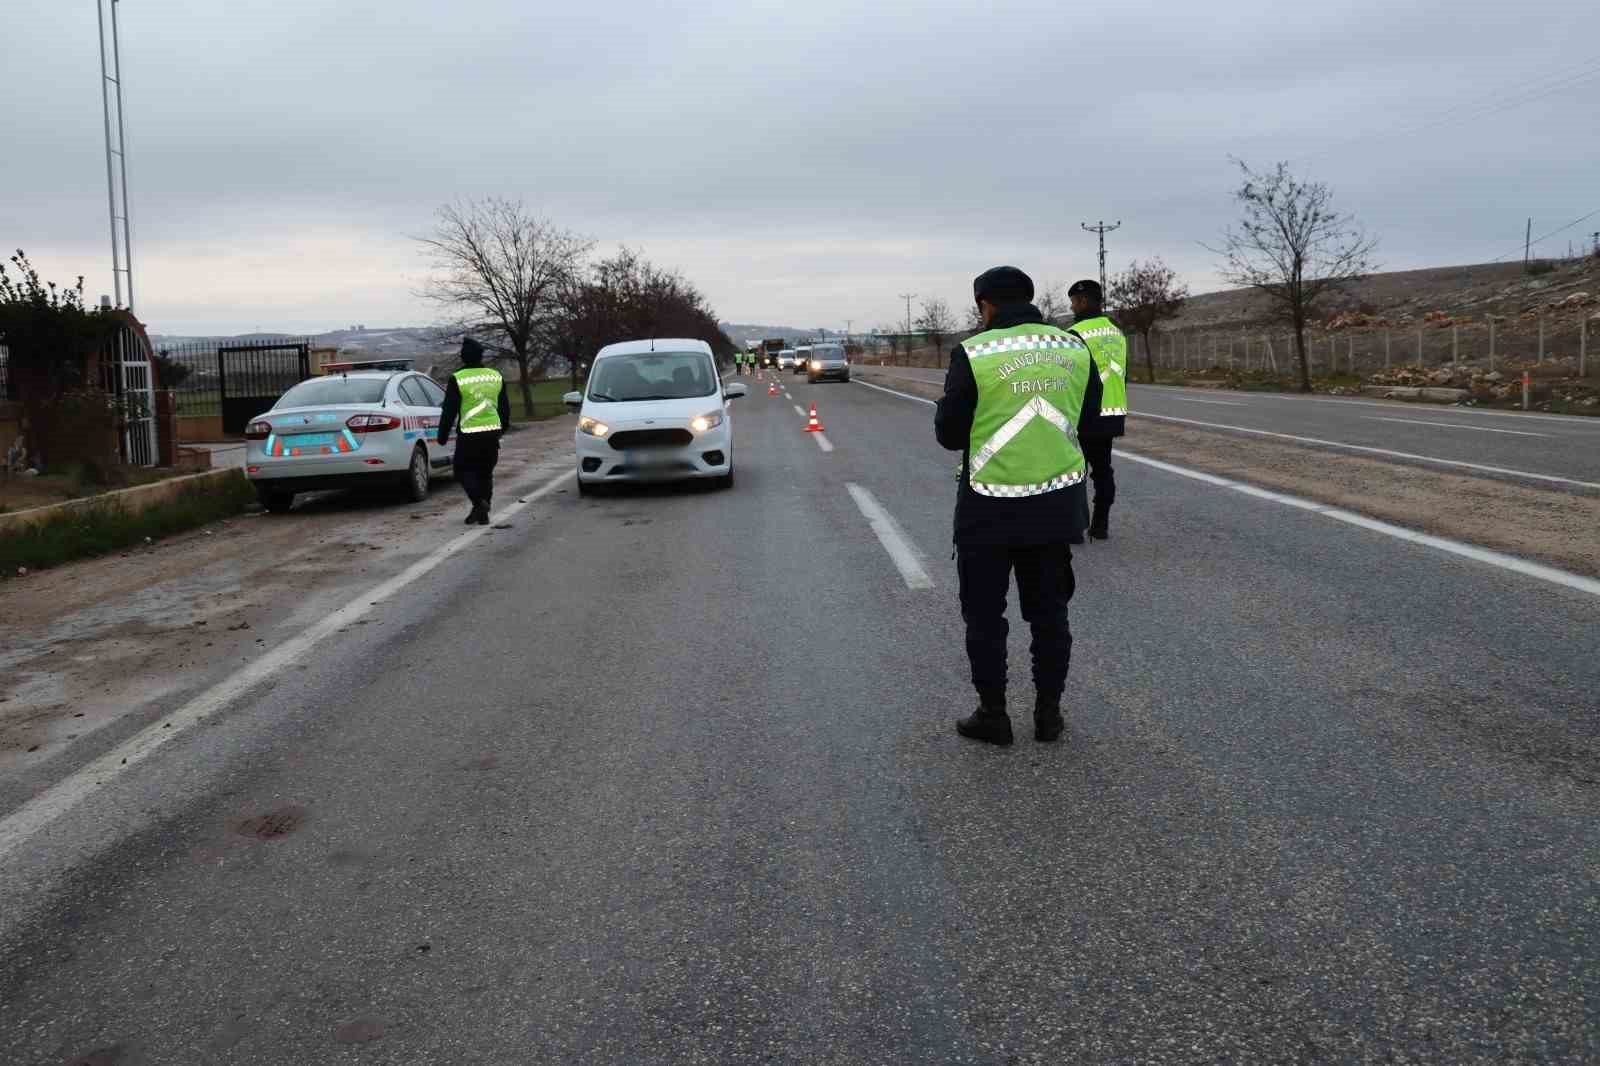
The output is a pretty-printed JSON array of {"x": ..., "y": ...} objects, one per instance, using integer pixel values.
[
  {"x": 258, "y": 430},
  {"x": 372, "y": 423}
]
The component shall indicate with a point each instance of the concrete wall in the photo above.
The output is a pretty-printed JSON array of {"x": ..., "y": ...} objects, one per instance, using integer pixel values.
[{"x": 134, "y": 500}]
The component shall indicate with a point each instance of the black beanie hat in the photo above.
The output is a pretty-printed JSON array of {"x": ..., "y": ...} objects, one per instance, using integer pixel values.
[
  {"x": 1002, "y": 285},
  {"x": 471, "y": 351}
]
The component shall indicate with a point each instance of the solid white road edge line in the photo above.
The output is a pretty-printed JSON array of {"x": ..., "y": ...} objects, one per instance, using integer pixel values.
[
  {"x": 902, "y": 395},
  {"x": 822, "y": 441},
  {"x": 28, "y": 819},
  {"x": 1482, "y": 555},
  {"x": 1218, "y": 403},
  {"x": 1373, "y": 451},
  {"x": 1580, "y": 422},
  {"x": 1455, "y": 425},
  {"x": 901, "y": 551},
  {"x": 1454, "y": 547}
]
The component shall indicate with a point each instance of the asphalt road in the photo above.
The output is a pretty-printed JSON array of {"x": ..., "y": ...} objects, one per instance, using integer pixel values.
[
  {"x": 669, "y": 777},
  {"x": 1561, "y": 446}
]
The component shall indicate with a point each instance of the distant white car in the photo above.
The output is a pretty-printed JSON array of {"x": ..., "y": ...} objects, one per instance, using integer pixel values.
[
  {"x": 655, "y": 410},
  {"x": 344, "y": 430},
  {"x": 788, "y": 359}
]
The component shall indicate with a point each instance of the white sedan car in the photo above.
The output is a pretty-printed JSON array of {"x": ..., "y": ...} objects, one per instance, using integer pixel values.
[
  {"x": 361, "y": 428},
  {"x": 655, "y": 410}
]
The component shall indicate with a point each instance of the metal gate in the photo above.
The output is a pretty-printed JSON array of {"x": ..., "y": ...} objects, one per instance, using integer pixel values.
[
  {"x": 127, "y": 359},
  {"x": 251, "y": 377}
]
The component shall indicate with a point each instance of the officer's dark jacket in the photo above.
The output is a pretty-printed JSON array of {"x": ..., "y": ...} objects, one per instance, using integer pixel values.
[
  {"x": 1099, "y": 425},
  {"x": 452, "y": 410},
  {"x": 991, "y": 521}
]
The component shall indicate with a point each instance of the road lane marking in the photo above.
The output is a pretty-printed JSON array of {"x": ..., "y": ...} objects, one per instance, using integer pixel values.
[
  {"x": 799, "y": 410},
  {"x": 28, "y": 819},
  {"x": 902, "y": 395},
  {"x": 1374, "y": 451},
  {"x": 1454, "y": 547},
  {"x": 1454, "y": 425},
  {"x": 904, "y": 554},
  {"x": 1219, "y": 403},
  {"x": 822, "y": 441}
]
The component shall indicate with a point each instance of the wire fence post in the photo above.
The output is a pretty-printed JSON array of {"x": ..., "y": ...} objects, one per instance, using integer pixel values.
[
  {"x": 1583, "y": 346},
  {"x": 1386, "y": 349},
  {"x": 1541, "y": 338},
  {"x": 1491, "y": 344},
  {"x": 1419, "y": 347},
  {"x": 1455, "y": 344}
]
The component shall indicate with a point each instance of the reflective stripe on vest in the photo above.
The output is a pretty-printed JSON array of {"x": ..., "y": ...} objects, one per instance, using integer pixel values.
[
  {"x": 1031, "y": 380},
  {"x": 1110, "y": 348},
  {"x": 480, "y": 399}
]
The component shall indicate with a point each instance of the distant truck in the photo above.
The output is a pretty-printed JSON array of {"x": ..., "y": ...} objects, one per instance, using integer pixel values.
[{"x": 768, "y": 352}]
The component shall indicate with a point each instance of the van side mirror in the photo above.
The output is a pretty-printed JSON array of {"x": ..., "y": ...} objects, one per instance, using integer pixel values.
[
  {"x": 734, "y": 390},
  {"x": 573, "y": 400}
]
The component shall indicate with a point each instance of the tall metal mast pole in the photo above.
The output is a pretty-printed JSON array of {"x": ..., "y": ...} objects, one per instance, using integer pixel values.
[
  {"x": 116, "y": 156},
  {"x": 1102, "y": 229}
]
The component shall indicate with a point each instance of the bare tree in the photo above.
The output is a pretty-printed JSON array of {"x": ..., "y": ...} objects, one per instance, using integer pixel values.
[
  {"x": 1144, "y": 296},
  {"x": 936, "y": 323},
  {"x": 1294, "y": 247},
  {"x": 503, "y": 269},
  {"x": 1051, "y": 300}
]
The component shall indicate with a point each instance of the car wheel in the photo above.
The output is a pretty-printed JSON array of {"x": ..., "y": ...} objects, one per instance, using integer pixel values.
[
  {"x": 417, "y": 476},
  {"x": 275, "y": 501},
  {"x": 847, "y": 378}
]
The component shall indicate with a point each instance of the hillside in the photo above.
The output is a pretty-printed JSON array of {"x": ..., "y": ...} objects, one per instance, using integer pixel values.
[{"x": 1399, "y": 298}]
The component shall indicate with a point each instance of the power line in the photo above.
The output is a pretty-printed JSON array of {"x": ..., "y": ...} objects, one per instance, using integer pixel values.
[
  {"x": 1547, "y": 236},
  {"x": 1508, "y": 97}
]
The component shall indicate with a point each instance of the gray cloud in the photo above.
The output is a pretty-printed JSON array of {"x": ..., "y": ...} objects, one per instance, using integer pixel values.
[{"x": 802, "y": 163}]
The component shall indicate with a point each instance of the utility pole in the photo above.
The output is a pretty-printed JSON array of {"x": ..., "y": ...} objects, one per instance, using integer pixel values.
[
  {"x": 1102, "y": 229},
  {"x": 1527, "y": 245},
  {"x": 908, "y": 297},
  {"x": 116, "y": 157}
]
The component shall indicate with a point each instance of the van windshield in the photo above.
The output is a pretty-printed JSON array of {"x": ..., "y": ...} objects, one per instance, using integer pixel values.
[{"x": 652, "y": 376}]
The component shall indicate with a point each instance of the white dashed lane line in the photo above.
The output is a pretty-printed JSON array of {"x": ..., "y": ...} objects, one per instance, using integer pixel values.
[{"x": 904, "y": 554}]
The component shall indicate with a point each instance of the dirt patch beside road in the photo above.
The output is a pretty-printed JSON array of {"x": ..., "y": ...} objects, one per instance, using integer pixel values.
[
  {"x": 88, "y": 643},
  {"x": 1548, "y": 525}
]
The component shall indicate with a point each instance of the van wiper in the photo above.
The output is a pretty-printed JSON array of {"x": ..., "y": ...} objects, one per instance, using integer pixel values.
[
  {"x": 640, "y": 399},
  {"x": 603, "y": 397}
]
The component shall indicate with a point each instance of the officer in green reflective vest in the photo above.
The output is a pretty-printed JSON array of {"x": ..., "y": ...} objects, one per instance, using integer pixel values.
[
  {"x": 476, "y": 398},
  {"x": 1110, "y": 349},
  {"x": 1013, "y": 397}
]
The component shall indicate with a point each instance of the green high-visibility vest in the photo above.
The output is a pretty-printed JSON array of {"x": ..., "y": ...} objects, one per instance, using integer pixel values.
[
  {"x": 1031, "y": 381},
  {"x": 1110, "y": 348},
  {"x": 480, "y": 398}
]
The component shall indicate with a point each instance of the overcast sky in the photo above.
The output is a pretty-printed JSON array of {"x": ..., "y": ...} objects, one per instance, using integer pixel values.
[{"x": 802, "y": 163}]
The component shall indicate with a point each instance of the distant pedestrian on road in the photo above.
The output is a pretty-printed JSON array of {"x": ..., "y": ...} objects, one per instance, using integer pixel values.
[
  {"x": 1012, "y": 399},
  {"x": 476, "y": 395},
  {"x": 1109, "y": 347}
]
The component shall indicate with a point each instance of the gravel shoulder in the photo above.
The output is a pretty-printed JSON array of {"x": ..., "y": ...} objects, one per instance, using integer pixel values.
[
  {"x": 1551, "y": 526},
  {"x": 90, "y": 650}
]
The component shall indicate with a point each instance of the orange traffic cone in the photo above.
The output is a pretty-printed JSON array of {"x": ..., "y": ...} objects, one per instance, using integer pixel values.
[
  {"x": 772, "y": 390},
  {"x": 812, "y": 425}
]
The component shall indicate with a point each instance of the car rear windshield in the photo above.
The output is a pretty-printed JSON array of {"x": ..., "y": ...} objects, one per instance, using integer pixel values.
[
  {"x": 652, "y": 376},
  {"x": 320, "y": 392}
]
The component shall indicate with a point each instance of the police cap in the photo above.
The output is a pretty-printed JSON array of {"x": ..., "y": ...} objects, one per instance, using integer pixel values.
[
  {"x": 1086, "y": 287},
  {"x": 1002, "y": 285}
]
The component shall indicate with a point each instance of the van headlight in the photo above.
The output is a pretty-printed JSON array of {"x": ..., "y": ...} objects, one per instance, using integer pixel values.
[
  {"x": 705, "y": 422},
  {"x": 593, "y": 426}
]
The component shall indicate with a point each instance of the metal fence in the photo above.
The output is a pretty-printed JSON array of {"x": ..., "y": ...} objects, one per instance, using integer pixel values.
[
  {"x": 258, "y": 369},
  {"x": 6, "y": 390},
  {"x": 1554, "y": 339}
]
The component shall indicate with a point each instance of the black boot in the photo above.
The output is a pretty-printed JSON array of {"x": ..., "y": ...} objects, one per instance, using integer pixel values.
[
  {"x": 1047, "y": 720},
  {"x": 1100, "y": 525},
  {"x": 472, "y": 516},
  {"x": 988, "y": 724}
]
